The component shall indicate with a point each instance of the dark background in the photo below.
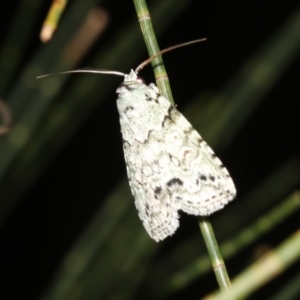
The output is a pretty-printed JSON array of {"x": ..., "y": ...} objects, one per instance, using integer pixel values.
[{"x": 55, "y": 209}]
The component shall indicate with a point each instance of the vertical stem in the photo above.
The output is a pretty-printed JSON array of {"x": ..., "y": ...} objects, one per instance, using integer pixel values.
[
  {"x": 215, "y": 254},
  {"x": 161, "y": 76}
]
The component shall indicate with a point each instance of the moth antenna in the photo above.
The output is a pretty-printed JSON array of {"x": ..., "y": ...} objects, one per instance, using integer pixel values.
[
  {"x": 95, "y": 71},
  {"x": 146, "y": 62}
]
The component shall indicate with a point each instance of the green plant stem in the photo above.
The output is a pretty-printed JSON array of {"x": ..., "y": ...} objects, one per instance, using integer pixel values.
[
  {"x": 161, "y": 76},
  {"x": 215, "y": 254},
  {"x": 269, "y": 266}
]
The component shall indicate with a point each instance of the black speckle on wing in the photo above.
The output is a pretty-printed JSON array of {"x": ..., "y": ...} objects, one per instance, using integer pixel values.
[
  {"x": 128, "y": 108},
  {"x": 203, "y": 177},
  {"x": 174, "y": 181},
  {"x": 212, "y": 178}
]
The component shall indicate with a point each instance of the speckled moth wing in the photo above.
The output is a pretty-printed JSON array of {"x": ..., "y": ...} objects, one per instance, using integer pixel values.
[{"x": 169, "y": 166}]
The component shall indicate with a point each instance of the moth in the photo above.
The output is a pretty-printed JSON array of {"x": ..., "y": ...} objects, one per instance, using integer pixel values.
[{"x": 169, "y": 166}]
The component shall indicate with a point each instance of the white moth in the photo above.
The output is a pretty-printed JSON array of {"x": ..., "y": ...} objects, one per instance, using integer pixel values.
[{"x": 169, "y": 166}]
